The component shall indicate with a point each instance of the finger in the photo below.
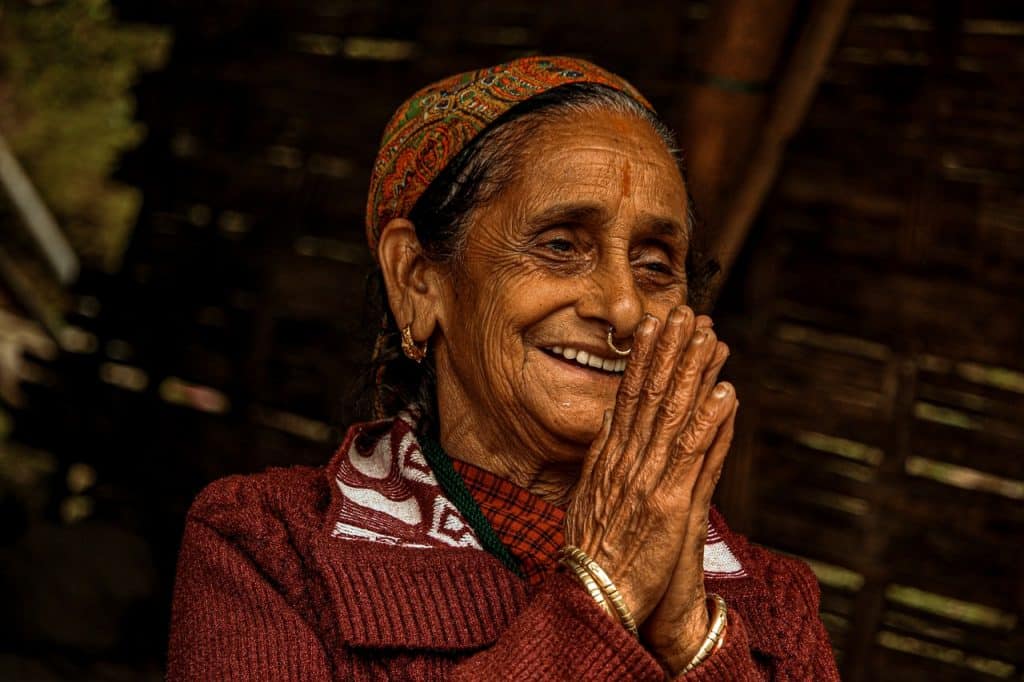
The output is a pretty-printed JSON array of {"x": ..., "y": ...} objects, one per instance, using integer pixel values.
[
  {"x": 677, "y": 407},
  {"x": 597, "y": 446},
  {"x": 674, "y": 340},
  {"x": 714, "y": 461},
  {"x": 697, "y": 437},
  {"x": 628, "y": 395},
  {"x": 711, "y": 472},
  {"x": 704, "y": 322},
  {"x": 607, "y": 459},
  {"x": 710, "y": 377}
]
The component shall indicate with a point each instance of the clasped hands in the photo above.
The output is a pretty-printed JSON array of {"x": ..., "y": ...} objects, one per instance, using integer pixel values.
[{"x": 640, "y": 508}]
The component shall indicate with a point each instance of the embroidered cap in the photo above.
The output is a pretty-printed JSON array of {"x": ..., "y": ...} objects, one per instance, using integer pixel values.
[{"x": 435, "y": 124}]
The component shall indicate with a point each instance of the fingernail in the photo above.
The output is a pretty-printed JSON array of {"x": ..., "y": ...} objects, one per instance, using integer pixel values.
[
  {"x": 675, "y": 317},
  {"x": 648, "y": 324},
  {"x": 700, "y": 336},
  {"x": 721, "y": 390}
]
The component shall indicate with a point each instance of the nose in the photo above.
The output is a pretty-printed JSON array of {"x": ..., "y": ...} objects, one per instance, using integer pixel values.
[{"x": 612, "y": 298}]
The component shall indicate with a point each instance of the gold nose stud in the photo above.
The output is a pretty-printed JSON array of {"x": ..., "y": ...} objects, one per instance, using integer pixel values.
[{"x": 611, "y": 344}]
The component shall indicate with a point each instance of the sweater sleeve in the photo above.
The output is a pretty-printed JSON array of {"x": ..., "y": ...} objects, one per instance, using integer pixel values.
[
  {"x": 562, "y": 635},
  {"x": 802, "y": 646},
  {"x": 229, "y": 623},
  {"x": 792, "y": 643},
  {"x": 734, "y": 661}
]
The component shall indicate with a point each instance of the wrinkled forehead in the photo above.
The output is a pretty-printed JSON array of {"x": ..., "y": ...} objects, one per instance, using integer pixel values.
[{"x": 595, "y": 163}]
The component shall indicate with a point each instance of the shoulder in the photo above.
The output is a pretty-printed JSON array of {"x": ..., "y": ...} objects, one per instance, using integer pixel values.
[
  {"x": 794, "y": 595},
  {"x": 258, "y": 508},
  {"x": 778, "y": 604},
  {"x": 778, "y": 598}
]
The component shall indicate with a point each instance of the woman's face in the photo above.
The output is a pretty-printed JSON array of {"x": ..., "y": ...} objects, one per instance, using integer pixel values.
[{"x": 594, "y": 233}]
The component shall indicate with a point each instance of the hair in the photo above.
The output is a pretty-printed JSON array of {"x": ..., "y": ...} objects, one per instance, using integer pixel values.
[{"x": 443, "y": 213}]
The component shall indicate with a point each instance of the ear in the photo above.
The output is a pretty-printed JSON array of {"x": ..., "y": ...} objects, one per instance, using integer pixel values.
[{"x": 410, "y": 278}]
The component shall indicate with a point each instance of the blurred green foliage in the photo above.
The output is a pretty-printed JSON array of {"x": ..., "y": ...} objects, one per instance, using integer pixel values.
[{"x": 66, "y": 69}]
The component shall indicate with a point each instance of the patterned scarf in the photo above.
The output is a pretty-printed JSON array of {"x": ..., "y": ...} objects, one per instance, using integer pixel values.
[{"x": 391, "y": 493}]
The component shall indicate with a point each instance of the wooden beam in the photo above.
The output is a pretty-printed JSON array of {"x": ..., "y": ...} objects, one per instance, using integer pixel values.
[
  {"x": 792, "y": 100},
  {"x": 722, "y": 107}
]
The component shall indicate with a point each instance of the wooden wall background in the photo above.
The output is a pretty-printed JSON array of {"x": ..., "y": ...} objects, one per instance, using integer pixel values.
[
  {"x": 874, "y": 312},
  {"x": 884, "y": 345}
]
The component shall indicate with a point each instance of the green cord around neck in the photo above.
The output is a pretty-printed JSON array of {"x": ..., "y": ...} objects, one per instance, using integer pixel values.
[{"x": 455, "y": 490}]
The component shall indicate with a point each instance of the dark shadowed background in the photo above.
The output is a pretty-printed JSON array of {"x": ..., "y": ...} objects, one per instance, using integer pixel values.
[{"x": 182, "y": 187}]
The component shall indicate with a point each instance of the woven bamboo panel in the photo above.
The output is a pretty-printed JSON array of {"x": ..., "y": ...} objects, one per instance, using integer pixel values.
[{"x": 884, "y": 344}]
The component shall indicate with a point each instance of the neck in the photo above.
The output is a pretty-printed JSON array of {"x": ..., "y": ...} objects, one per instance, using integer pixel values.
[{"x": 462, "y": 438}]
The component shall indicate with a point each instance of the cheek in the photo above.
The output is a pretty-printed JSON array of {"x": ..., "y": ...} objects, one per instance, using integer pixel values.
[
  {"x": 509, "y": 295},
  {"x": 660, "y": 305},
  {"x": 503, "y": 313},
  {"x": 490, "y": 313}
]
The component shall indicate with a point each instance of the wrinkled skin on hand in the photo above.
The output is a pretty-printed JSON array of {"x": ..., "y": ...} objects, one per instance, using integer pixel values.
[{"x": 641, "y": 506}]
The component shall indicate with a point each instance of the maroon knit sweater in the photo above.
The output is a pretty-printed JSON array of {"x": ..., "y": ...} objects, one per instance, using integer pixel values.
[{"x": 292, "y": 575}]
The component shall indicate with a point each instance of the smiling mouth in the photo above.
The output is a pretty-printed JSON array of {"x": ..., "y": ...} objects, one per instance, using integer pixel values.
[{"x": 588, "y": 360}]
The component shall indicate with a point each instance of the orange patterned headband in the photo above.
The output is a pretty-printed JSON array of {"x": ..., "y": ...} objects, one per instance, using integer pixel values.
[{"x": 436, "y": 123}]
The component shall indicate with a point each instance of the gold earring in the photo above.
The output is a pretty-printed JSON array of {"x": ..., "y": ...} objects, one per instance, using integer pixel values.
[{"x": 409, "y": 347}]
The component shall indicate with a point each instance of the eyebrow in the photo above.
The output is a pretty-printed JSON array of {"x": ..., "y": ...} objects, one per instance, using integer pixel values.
[
  {"x": 666, "y": 227},
  {"x": 575, "y": 213},
  {"x": 570, "y": 213}
]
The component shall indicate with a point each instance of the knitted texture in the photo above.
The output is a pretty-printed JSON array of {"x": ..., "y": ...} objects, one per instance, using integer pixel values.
[
  {"x": 265, "y": 591},
  {"x": 430, "y": 128}
]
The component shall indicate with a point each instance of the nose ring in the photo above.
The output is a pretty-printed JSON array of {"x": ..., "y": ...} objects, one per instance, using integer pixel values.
[{"x": 611, "y": 343}]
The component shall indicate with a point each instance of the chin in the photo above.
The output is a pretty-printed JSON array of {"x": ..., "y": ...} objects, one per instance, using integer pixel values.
[{"x": 577, "y": 424}]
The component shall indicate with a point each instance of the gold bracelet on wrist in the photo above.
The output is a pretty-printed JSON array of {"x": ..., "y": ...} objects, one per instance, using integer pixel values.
[
  {"x": 715, "y": 638},
  {"x": 590, "y": 584},
  {"x": 574, "y": 556}
]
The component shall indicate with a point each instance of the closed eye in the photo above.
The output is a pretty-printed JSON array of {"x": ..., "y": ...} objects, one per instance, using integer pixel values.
[
  {"x": 655, "y": 266},
  {"x": 559, "y": 245},
  {"x": 656, "y": 258}
]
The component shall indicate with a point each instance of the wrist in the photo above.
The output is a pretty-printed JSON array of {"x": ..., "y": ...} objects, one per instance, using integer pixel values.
[
  {"x": 675, "y": 653},
  {"x": 698, "y": 640},
  {"x": 599, "y": 585}
]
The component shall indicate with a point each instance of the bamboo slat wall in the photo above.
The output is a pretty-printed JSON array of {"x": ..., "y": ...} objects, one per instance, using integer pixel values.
[
  {"x": 875, "y": 314},
  {"x": 883, "y": 365}
]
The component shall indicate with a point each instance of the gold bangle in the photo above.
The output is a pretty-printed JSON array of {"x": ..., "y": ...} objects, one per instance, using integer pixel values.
[
  {"x": 715, "y": 638},
  {"x": 607, "y": 586},
  {"x": 590, "y": 584}
]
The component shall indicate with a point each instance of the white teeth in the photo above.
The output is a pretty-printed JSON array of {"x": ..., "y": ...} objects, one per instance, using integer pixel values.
[{"x": 587, "y": 360}]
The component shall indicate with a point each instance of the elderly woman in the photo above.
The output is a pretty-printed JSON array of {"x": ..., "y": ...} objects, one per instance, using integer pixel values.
[{"x": 534, "y": 501}]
